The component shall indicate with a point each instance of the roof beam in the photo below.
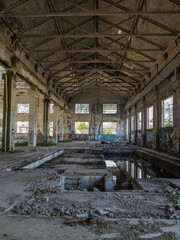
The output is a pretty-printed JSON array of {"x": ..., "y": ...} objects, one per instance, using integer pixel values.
[
  {"x": 143, "y": 17},
  {"x": 95, "y": 34},
  {"x": 14, "y": 5},
  {"x": 53, "y": 53},
  {"x": 87, "y": 70},
  {"x": 87, "y": 13},
  {"x": 100, "y": 50},
  {"x": 96, "y": 61}
]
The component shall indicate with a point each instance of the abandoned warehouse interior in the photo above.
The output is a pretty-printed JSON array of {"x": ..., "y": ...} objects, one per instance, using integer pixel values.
[{"x": 89, "y": 119}]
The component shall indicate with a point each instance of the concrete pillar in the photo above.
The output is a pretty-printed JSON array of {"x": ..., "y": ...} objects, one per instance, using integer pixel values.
[
  {"x": 40, "y": 114},
  {"x": 135, "y": 124},
  {"x": 156, "y": 118},
  {"x": 55, "y": 123},
  {"x": 32, "y": 118},
  {"x": 176, "y": 114},
  {"x": 144, "y": 122},
  {"x": 129, "y": 122},
  {"x": 9, "y": 112},
  {"x": 61, "y": 125},
  {"x": 46, "y": 121}
]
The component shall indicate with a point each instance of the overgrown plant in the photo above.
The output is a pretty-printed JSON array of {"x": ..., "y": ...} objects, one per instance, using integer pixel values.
[
  {"x": 23, "y": 143},
  {"x": 66, "y": 140}
]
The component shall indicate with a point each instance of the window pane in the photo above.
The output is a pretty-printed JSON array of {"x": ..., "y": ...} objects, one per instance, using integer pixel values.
[
  {"x": 167, "y": 112},
  {"x": 109, "y": 127},
  {"x": 51, "y": 129},
  {"x": 51, "y": 108},
  {"x": 23, "y": 107},
  {"x": 82, "y": 127},
  {"x": 132, "y": 123},
  {"x": 110, "y": 108},
  {"x": 139, "y": 116},
  {"x": 81, "y": 108},
  {"x": 22, "y": 127},
  {"x": 150, "y": 118}
]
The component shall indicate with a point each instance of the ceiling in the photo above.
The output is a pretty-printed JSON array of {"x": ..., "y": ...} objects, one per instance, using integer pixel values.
[{"x": 84, "y": 43}]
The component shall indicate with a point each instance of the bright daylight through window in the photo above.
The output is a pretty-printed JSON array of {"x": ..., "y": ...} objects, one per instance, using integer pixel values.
[
  {"x": 81, "y": 108},
  {"x": 167, "y": 112},
  {"x": 109, "y": 127},
  {"x": 110, "y": 108}
]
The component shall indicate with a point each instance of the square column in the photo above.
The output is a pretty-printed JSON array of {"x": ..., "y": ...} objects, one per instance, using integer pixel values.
[
  {"x": 156, "y": 118},
  {"x": 129, "y": 123},
  {"x": 32, "y": 118},
  {"x": 55, "y": 124},
  {"x": 144, "y": 122},
  {"x": 176, "y": 113},
  {"x": 61, "y": 123},
  {"x": 9, "y": 112},
  {"x": 40, "y": 116},
  {"x": 135, "y": 124},
  {"x": 46, "y": 121}
]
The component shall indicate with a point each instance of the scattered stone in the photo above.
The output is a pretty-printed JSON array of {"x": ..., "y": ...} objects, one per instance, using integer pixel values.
[{"x": 96, "y": 189}]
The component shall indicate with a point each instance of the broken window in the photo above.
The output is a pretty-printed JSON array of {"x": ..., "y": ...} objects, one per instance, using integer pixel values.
[
  {"x": 51, "y": 108},
  {"x": 150, "y": 117},
  {"x": 109, "y": 127},
  {"x": 82, "y": 127},
  {"x": 81, "y": 108},
  {"x": 139, "y": 120},
  {"x": 132, "y": 123},
  {"x": 23, "y": 107},
  {"x": 110, "y": 108},
  {"x": 22, "y": 127},
  {"x": 51, "y": 129},
  {"x": 167, "y": 112}
]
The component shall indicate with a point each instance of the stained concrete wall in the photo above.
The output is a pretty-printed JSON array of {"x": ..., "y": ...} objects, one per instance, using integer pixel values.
[
  {"x": 164, "y": 85},
  {"x": 95, "y": 97},
  {"x": 24, "y": 98}
]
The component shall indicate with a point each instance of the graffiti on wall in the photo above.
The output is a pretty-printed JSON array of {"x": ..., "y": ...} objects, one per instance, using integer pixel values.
[
  {"x": 133, "y": 137},
  {"x": 78, "y": 137},
  {"x": 139, "y": 137},
  {"x": 110, "y": 137},
  {"x": 149, "y": 136},
  {"x": 166, "y": 138}
]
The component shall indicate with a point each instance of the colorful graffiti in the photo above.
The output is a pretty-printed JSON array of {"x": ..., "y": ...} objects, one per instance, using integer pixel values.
[
  {"x": 110, "y": 137},
  {"x": 166, "y": 138},
  {"x": 139, "y": 138},
  {"x": 78, "y": 137},
  {"x": 149, "y": 136}
]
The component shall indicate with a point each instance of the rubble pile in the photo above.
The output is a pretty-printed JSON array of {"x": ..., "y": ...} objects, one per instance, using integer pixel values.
[{"x": 44, "y": 198}]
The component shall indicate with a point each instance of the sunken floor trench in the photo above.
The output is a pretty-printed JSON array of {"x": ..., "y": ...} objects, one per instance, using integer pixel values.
[{"x": 92, "y": 191}]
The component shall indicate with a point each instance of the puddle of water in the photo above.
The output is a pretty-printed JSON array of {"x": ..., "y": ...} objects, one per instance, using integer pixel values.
[{"x": 126, "y": 171}]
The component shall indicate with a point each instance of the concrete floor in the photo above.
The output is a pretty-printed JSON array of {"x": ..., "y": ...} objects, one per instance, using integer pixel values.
[{"x": 33, "y": 205}]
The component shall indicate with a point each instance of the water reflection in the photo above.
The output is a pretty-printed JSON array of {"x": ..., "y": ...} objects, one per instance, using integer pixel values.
[
  {"x": 124, "y": 171},
  {"x": 110, "y": 164}
]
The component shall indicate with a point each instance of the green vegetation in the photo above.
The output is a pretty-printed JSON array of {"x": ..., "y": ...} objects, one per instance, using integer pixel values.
[
  {"x": 38, "y": 142},
  {"x": 82, "y": 125},
  {"x": 107, "y": 131},
  {"x": 41, "y": 143},
  {"x": 66, "y": 140},
  {"x": 23, "y": 143},
  {"x": 168, "y": 123},
  {"x": 109, "y": 127},
  {"x": 81, "y": 128}
]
